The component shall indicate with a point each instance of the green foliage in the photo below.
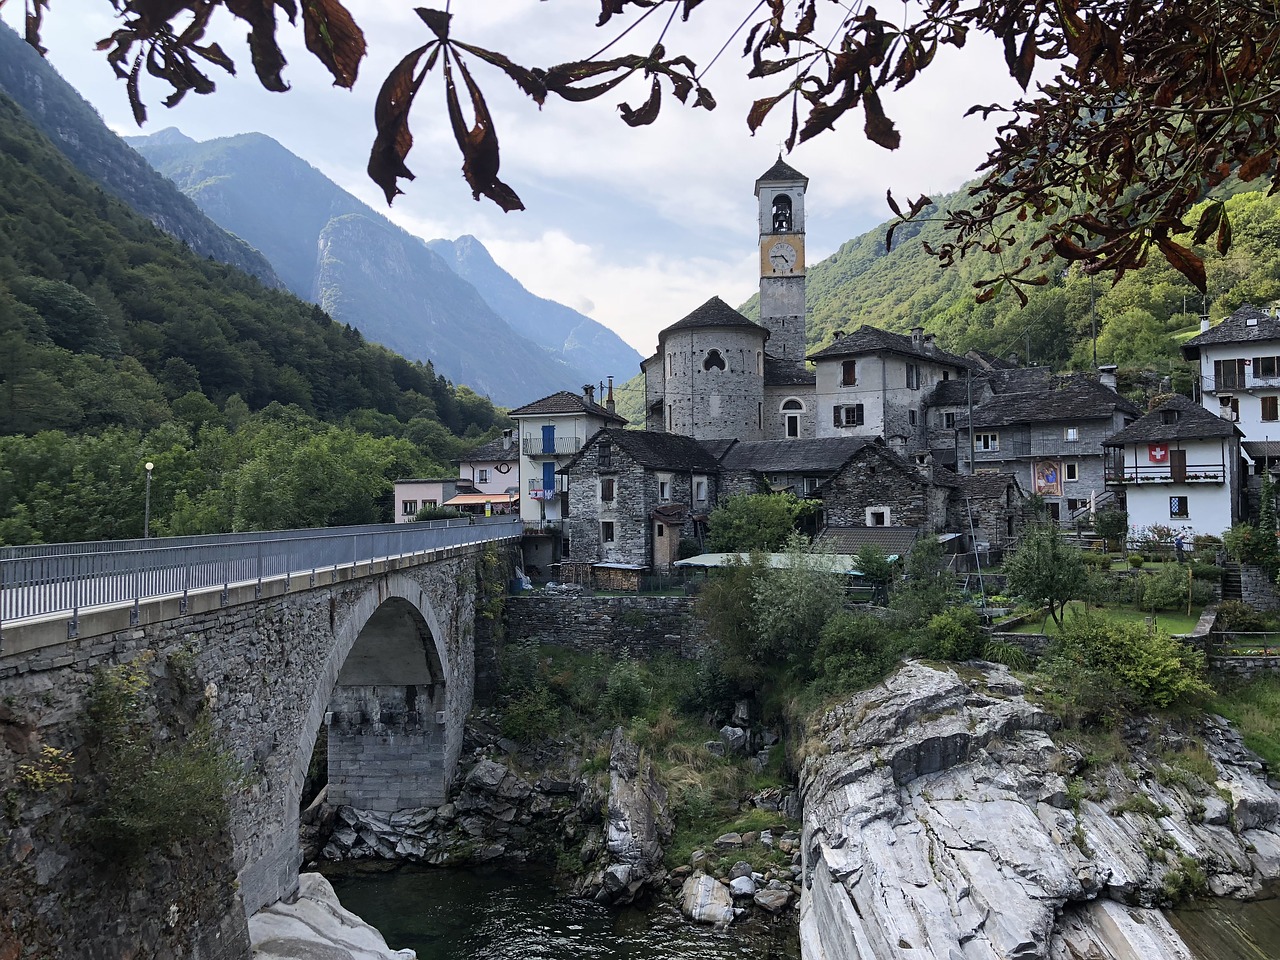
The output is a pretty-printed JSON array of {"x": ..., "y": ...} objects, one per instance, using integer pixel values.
[
  {"x": 1251, "y": 544},
  {"x": 927, "y": 586},
  {"x": 1236, "y": 615},
  {"x": 1112, "y": 526},
  {"x": 1044, "y": 569},
  {"x": 438, "y": 513},
  {"x": 153, "y": 786},
  {"x": 1169, "y": 590},
  {"x": 1010, "y": 654},
  {"x": 854, "y": 651},
  {"x": 626, "y": 691},
  {"x": 1095, "y": 561},
  {"x": 789, "y": 607},
  {"x": 1136, "y": 560},
  {"x": 754, "y": 521},
  {"x": 1098, "y": 669},
  {"x": 1185, "y": 881},
  {"x": 725, "y": 607},
  {"x": 1254, "y": 708},
  {"x": 953, "y": 634}
]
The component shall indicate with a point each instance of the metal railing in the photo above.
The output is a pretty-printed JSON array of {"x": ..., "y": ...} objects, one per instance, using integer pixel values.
[
  {"x": 1240, "y": 643},
  {"x": 536, "y": 446},
  {"x": 48, "y": 579}
]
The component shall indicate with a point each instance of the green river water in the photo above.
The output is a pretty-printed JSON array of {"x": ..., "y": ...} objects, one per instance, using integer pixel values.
[{"x": 503, "y": 914}]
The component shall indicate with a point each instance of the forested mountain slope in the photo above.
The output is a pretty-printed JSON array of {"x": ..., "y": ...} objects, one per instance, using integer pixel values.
[
  {"x": 75, "y": 127},
  {"x": 119, "y": 345}
]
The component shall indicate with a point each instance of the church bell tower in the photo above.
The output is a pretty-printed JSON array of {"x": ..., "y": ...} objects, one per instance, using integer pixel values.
[{"x": 780, "y": 198}]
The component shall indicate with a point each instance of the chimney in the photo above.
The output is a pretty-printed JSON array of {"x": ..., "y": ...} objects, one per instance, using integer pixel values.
[
  {"x": 1107, "y": 375},
  {"x": 839, "y": 335},
  {"x": 928, "y": 342},
  {"x": 608, "y": 403},
  {"x": 1204, "y": 322},
  {"x": 506, "y": 439},
  {"x": 589, "y": 392},
  {"x": 917, "y": 336}
]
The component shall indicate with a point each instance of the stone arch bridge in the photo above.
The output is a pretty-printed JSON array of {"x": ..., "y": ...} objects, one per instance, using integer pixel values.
[{"x": 369, "y": 630}]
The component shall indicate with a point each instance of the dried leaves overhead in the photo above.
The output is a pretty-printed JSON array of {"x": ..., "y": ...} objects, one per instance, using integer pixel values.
[{"x": 1141, "y": 110}]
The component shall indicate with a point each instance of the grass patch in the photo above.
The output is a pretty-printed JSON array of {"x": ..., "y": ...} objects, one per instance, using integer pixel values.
[
  {"x": 1254, "y": 708},
  {"x": 1169, "y": 621}
]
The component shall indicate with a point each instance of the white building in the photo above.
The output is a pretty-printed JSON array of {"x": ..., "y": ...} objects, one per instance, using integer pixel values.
[
  {"x": 412, "y": 495},
  {"x": 551, "y": 431},
  {"x": 1179, "y": 466},
  {"x": 489, "y": 476}
]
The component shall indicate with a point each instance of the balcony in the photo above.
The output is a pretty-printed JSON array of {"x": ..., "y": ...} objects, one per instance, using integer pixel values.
[
  {"x": 1040, "y": 448},
  {"x": 535, "y": 447},
  {"x": 1117, "y": 474},
  {"x": 536, "y": 491}
]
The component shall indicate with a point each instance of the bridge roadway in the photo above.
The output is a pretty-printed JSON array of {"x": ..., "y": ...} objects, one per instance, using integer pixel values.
[{"x": 369, "y": 631}]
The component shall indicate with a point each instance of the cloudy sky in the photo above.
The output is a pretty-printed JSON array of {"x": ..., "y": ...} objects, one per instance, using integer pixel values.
[{"x": 634, "y": 227}]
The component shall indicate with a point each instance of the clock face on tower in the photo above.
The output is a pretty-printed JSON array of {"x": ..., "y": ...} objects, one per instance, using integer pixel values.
[{"x": 783, "y": 257}]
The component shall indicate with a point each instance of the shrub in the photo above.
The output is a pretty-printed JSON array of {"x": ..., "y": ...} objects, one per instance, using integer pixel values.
[
  {"x": 1010, "y": 654},
  {"x": 439, "y": 513},
  {"x": 1207, "y": 572},
  {"x": 1044, "y": 569},
  {"x": 1236, "y": 615},
  {"x": 954, "y": 634},
  {"x": 1096, "y": 561},
  {"x": 1111, "y": 525},
  {"x": 531, "y": 715},
  {"x": 1136, "y": 560},
  {"x": 626, "y": 692},
  {"x": 854, "y": 651}
]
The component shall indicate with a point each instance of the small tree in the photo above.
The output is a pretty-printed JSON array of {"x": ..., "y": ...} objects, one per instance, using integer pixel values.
[
  {"x": 1112, "y": 525},
  {"x": 1044, "y": 568},
  {"x": 876, "y": 569},
  {"x": 754, "y": 521}
]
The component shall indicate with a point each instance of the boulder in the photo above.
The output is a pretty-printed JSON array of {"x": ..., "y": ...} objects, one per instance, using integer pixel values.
[
  {"x": 742, "y": 887},
  {"x": 316, "y": 927},
  {"x": 735, "y": 739},
  {"x": 706, "y": 900},
  {"x": 485, "y": 777}
]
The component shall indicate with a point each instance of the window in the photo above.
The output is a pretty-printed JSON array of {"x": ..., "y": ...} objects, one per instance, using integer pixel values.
[
  {"x": 1071, "y": 434},
  {"x": 1270, "y": 409},
  {"x": 604, "y": 455},
  {"x": 792, "y": 420},
  {"x": 1264, "y": 368},
  {"x": 949, "y": 421},
  {"x": 671, "y": 417},
  {"x": 793, "y": 425},
  {"x": 847, "y": 416},
  {"x": 1179, "y": 509},
  {"x": 1228, "y": 374},
  {"x": 409, "y": 507},
  {"x": 606, "y": 489},
  {"x": 661, "y": 531},
  {"x": 759, "y": 416},
  {"x": 606, "y": 531},
  {"x": 482, "y": 475},
  {"x": 913, "y": 376},
  {"x": 986, "y": 441},
  {"x": 946, "y": 374},
  {"x": 664, "y": 490},
  {"x": 849, "y": 373},
  {"x": 1169, "y": 417},
  {"x": 911, "y": 417},
  {"x": 782, "y": 213},
  {"x": 810, "y": 484},
  {"x": 713, "y": 361},
  {"x": 877, "y": 516},
  {"x": 1071, "y": 472},
  {"x": 700, "y": 490}
]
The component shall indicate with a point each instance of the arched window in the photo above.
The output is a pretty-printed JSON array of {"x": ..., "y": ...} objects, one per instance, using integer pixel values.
[
  {"x": 791, "y": 410},
  {"x": 713, "y": 361},
  {"x": 782, "y": 213}
]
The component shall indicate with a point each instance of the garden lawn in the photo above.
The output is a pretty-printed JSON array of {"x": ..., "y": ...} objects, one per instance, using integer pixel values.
[{"x": 1171, "y": 621}]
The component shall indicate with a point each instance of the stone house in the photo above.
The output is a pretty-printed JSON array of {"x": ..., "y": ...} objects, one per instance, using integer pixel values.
[
  {"x": 988, "y": 508},
  {"x": 873, "y": 383},
  {"x": 791, "y": 466},
  {"x": 1178, "y": 466},
  {"x": 877, "y": 487},
  {"x": 632, "y": 495},
  {"x": 1047, "y": 430}
]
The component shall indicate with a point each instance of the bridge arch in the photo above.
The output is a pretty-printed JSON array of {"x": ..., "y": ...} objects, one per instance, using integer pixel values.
[{"x": 395, "y": 687}]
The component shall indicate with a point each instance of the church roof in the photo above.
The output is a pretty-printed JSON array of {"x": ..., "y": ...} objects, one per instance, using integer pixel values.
[
  {"x": 564, "y": 402},
  {"x": 1190, "y": 422},
  {"x": 781, "y": 171},
  {"x": 786, "y": 373},
  {"x": 714, "y": 313},
  {"x": 869, "y": 339}
]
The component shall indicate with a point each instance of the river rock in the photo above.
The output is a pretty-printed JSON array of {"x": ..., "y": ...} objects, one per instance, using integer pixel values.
[
  {"x": 740, "y": 869},
  {"x": 735, "y": 740},
  {"x": 935, "y": 827},
  {"x": 316, "y": 927},
  {"x": 486, "y": 776},
  {"x": 742, "y": 887},
  {"x": 774, "y": 899},
  {"x": 706, "y": 900}
]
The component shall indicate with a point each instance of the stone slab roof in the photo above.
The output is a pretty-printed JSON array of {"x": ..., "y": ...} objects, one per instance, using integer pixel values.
[
  {"x": 986, "y": 486},
  {"x": 787, "y": 373},
  {"x": 1192, "y": 422},
  {"x": 891, "y": 540},
  {"x": 566, "y": 403},
  {"x": 950, "y": 393},
  {"x": 656, "y": 451},
  {"x": 869, "y": 339},
  {"x": 1051, "y": 399},
  {"x": 791, "y": 456},
  {"x": 781, "y": 170},
  {"x": 1248, "y": 324},
  {"x": 714, "y": 313},
  {"x": 493, "y": 452}
]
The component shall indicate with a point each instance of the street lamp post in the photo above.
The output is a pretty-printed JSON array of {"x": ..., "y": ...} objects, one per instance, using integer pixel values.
[{"x": 146, "y": 514}]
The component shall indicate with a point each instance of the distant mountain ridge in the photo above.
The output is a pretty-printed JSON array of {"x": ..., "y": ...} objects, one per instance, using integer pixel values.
[
  {"x": 71, "y": 123},
  {"x": 332, "y": 249}
]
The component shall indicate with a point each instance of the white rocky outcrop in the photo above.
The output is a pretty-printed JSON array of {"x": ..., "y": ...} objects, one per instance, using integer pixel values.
[
  {"x": 942, "y": 821},
  {"x": 316, "y": 927}
]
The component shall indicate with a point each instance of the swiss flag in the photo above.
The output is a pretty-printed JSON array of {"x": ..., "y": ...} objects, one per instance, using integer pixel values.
[{"x": 1158, "y": 452}]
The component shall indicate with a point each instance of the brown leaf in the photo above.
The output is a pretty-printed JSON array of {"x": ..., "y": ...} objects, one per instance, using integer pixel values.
[
  {"x": 479, "y": 143},
  {"x": 1256, "y": 165},
  {"x": 335, "y": 39},
  {"x": 888, "y": 237},
  {"x": 648, "y": 111},
  {"x": 1183, "y": 260},
  {"x": 879, "y": 128},
  {"x": 530, "y": 81},
  {"x": 1224, "y": 235},
  {"x": 893, "y": 204},
  {"x": 760, "y": 109},
  {"x": 268, "y": 60},
  {"x": 1209, "y": 221},
  {"x": 437, "y": 20},
  {"x": 391, "y": 119}
]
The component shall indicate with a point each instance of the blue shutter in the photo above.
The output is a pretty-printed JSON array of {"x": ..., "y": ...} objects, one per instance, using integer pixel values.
[
  {"x": 548, "y": 439},
  {"x": 548, "y": 473}
]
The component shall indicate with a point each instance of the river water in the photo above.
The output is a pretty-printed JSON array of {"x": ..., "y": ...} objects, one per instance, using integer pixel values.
[{"x": 504, "y": 914}]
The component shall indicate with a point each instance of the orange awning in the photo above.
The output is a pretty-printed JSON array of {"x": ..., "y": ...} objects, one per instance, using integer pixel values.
[{"x": 478, "y": 499}]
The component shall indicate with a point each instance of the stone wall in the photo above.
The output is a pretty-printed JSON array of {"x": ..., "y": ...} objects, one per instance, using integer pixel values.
[
  {"x": 1257, "y": 589},
  {"x": 641, "y": 626},
  {"x": 871, "y": 481}
]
